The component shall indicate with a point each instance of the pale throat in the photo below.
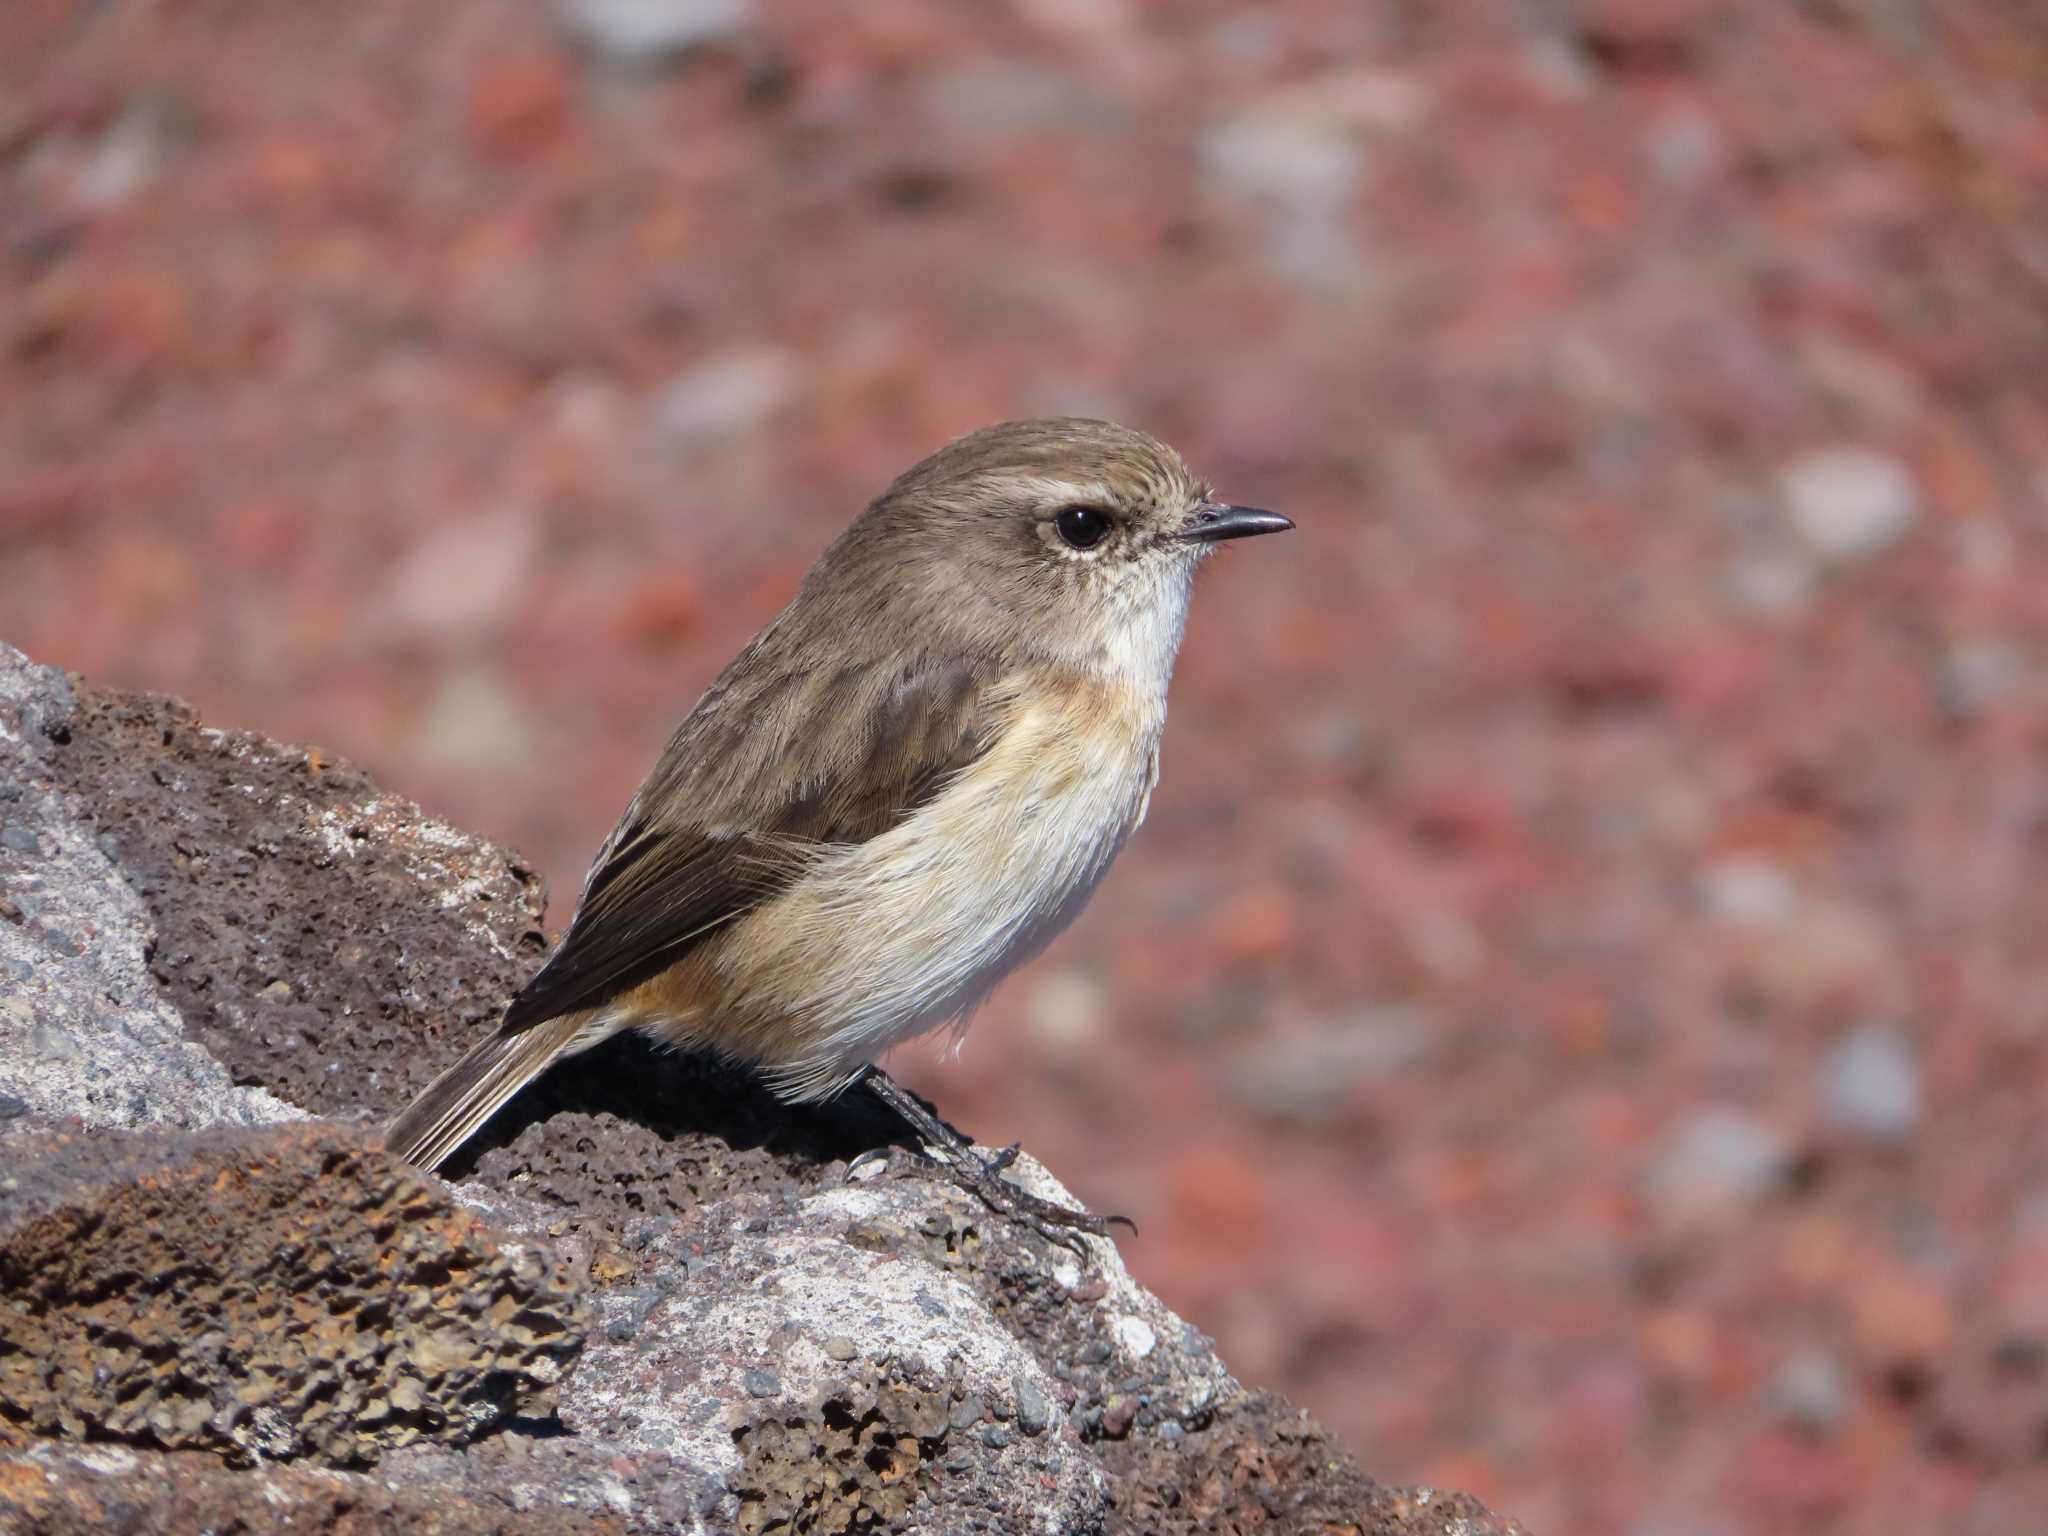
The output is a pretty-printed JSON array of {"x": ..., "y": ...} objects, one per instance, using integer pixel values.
[{"x": 1146, "y": 618}]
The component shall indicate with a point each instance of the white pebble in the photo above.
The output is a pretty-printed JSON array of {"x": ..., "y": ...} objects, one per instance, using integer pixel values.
[
  {"x": 1873, "y": 1085},
  {"x": 1714, "y": 1164},
  {"x": 640, "y": 32},
  {"x": 1748, "y": 890},
  {"x": 1849, "y": 503},
  {"x": 1136, "y": 1336}
]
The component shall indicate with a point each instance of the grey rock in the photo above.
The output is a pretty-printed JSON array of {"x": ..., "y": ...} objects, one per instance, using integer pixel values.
[
  {"x": 63, "y": 1052},
  {"x": 648, "y": 32},
  {"x": 1872, "y": 1085},
  {"x": 1811, "y": 1389},
  {"x": 1713, "y": 1166},
  {"x": 47, "y": 1041},
  {"x": 726, "y": 395},
  {"x": 722, "y": 1278},
  {"x": 1849, "y": 504},
  {"x": 1034, "y": 1408},
  {"x": 840, "y": 1347}
]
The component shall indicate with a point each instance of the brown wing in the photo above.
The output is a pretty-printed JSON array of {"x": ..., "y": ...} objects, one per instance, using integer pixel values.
[{"x": 865, "y": 748}]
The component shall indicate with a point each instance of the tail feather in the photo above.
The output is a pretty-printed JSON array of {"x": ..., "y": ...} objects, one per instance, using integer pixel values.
[{"x": 460, "y": 1100}]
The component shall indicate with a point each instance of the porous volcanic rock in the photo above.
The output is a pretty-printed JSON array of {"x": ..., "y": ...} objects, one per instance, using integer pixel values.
[
  {"x": 286, "y": 1292},
  {"x": 771, "y": 1336}
]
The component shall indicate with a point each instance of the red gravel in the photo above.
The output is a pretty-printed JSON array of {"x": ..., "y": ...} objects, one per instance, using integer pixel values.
[{"x": 1578, "y": 1014}]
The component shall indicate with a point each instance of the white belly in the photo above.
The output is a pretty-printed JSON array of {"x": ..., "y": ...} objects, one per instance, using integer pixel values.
[{"x": 900, "y": 934}]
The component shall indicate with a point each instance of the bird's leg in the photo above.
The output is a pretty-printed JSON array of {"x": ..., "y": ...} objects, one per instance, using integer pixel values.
[{"x": 983, "y": 1176}]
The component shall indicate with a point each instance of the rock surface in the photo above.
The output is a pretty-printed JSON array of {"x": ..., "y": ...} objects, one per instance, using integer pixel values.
[
  {"x": 759, "y": 1336},
  {"x": 280, "y": 1294}
]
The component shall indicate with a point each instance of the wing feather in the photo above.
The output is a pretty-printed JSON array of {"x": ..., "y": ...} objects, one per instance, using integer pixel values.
[{"x": 867, "y": 749}]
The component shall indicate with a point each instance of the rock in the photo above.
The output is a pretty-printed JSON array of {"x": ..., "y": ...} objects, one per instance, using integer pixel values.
[
  {"x": 1066, "y": 1011},
  {"x": 1715, "y": 1164},
  {"x": 764, "y": 1341},
  {"x": 458, "y": 580},
  {"x": 1748, "y": 891},
  {"x": 1136, "y": 1336},
  {"x": 1299, "y": 172},
  {"x": 1975, "y": 675},
  {"x": 1872, "y": 1085},
  {"x": 55, "y": 1490},
  {"x": 269, "y": 1294},
  {"x": 1811, "y": 1390},
  {"x": 64, "y": 1053},
  {"x": 641, "y": 33},
  {"x": 1772, "y": 583},
  {"x": 733, "y": 393},
  {"x": 1034, "y": 1408},
  {"x": 1849, "y": 504},
  {"x": 1297, "y": 157}
]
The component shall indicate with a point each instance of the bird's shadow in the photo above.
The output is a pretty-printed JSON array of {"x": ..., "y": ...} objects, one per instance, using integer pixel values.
[{"x": 678, "y": 1094}]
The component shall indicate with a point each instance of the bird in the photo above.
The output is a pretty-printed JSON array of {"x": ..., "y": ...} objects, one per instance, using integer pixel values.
[{"x": 898, "y": 792}]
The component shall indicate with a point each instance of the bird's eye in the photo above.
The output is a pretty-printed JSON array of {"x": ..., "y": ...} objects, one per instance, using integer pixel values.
[{"x": 1082, "y": 527}]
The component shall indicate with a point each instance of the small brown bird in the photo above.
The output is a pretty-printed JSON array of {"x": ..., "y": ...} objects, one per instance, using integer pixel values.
[{"x": 897, "y": 793}]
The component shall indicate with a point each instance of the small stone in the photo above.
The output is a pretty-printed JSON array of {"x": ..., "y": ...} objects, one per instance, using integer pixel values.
[
  {"x": 1772, "y": 583},
  {"x": 1034, "y": 1408},
  {"x": 12, "y": 1108},
  {"x": 840, "y": 1347},
  {"x": 1117, "y": 1415},
  {"x": 995, "y": 1436},
  {"x": 1299, "y": 169},
  {"x": 967, "y": 1413},
  {"x": 647, "y": 1231},
  {"x": 619, "y": 1330},
  {"x": 1849, "y": 503},
  {"x": 649, "y": 32},
  {"x": 1136, "y": 1336},
  {"x": 1872, "y": 1085},
  {"x": 724, "y": 397},
  {"x": 1715, "y": 1163},
  {"x": 760, "y": 1382},
  {"x": 1748, "y": 890},
  {"x": 51, "y": 1043},
  {"x": 62, "y": 942},
  {"x": 875, "y": 1236},
  {"x": 473, "y": 717},
  {"x": 1810, "y": 1390},
  {"x": 20, "y": 839},
  {"x": 1067, "y": 1011},
  {"x": 1977, "y": 674}
]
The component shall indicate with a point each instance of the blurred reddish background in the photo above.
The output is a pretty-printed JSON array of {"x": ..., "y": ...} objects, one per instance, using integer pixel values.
[{"x": 1577, "y": 1016}]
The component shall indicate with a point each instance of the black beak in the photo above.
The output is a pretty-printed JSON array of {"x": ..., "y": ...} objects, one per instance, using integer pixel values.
[{"x": 1212, "y": 523}]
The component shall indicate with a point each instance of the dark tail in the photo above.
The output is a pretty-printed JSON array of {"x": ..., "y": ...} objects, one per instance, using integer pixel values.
[{"x": 461, "y": 1099}]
